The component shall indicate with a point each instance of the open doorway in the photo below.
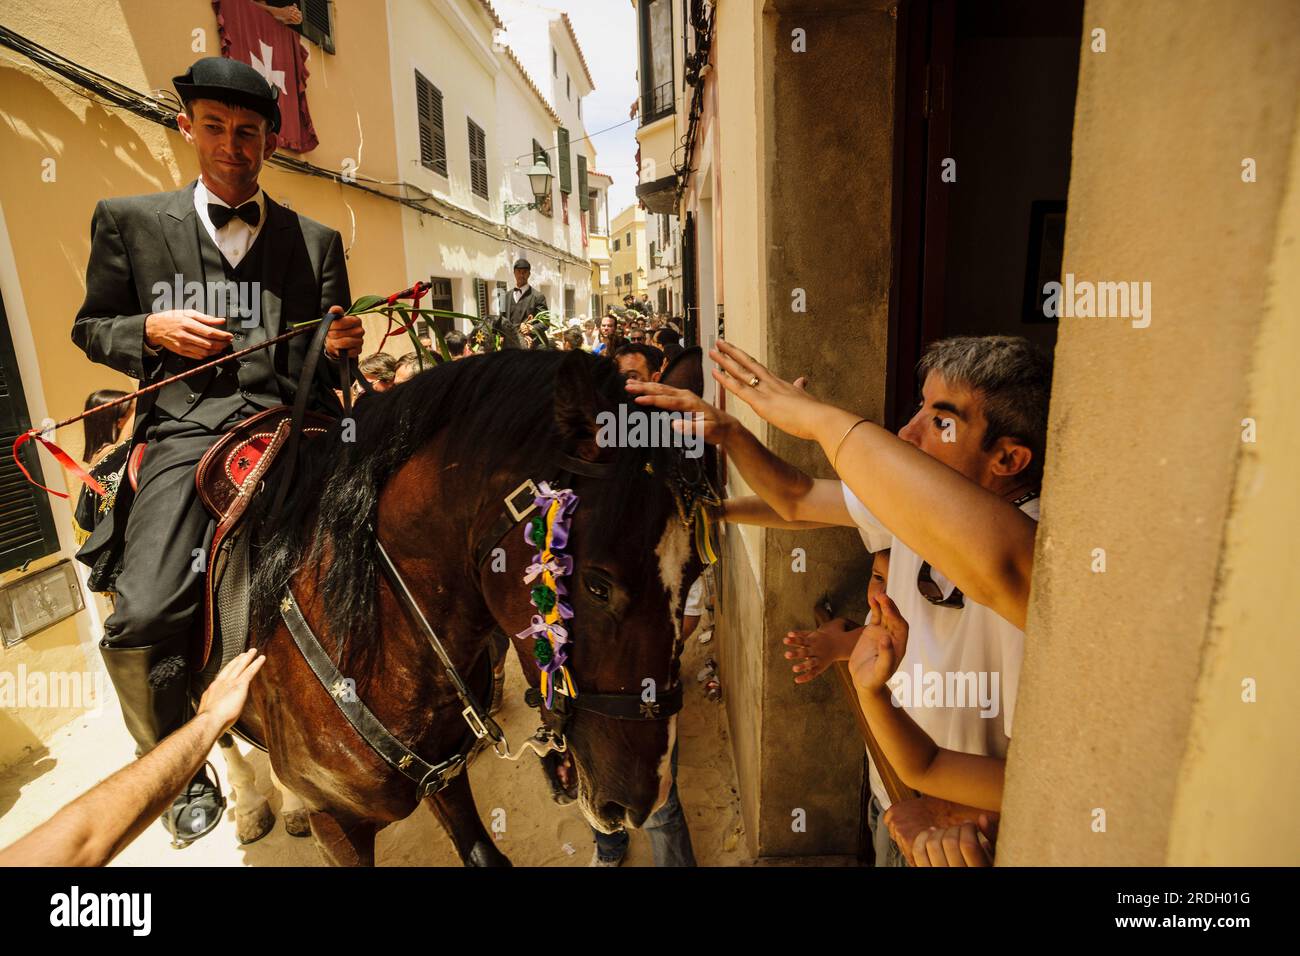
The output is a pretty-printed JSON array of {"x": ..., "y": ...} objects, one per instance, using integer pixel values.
[{"x": 986, "y": 92}]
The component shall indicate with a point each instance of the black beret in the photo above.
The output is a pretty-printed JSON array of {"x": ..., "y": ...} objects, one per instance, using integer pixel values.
[{"x": 523, "y": 264}]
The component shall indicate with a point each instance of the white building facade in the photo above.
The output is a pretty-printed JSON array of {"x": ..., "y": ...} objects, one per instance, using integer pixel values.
[{"x": 471, "y": 117}]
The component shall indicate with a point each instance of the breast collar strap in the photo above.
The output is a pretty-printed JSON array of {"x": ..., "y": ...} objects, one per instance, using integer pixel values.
[{"x": 428, "y": 778}]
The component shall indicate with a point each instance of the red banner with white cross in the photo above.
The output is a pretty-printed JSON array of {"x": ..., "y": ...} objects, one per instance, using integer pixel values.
[{"x": 252, "y": 35}]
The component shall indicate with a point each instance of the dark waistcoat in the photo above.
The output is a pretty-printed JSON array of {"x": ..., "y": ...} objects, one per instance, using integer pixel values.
[{"x": 214, "y": 396}]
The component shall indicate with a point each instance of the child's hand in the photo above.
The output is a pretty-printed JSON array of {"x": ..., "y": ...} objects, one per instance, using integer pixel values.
[
  {"x": 960, "y": 845},
  {"x": 814, "y": 651},
  {"x": 881, "y": 646}
]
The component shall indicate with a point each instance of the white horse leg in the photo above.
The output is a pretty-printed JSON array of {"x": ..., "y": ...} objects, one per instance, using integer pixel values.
[
  {"x": 294, "y": 811},
  {"x": 253, "y": 815}
]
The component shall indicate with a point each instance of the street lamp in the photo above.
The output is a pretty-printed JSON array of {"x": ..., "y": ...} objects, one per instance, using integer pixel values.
[{"x": 539, "y": 180}]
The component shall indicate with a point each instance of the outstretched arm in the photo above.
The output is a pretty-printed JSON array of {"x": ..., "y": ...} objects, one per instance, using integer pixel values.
[
  {"x": 751, "y": 509},
  {"x": 982, "y": 543},
  {"x": 793, "y": 495},
  {"x": 100, "y": 823}
]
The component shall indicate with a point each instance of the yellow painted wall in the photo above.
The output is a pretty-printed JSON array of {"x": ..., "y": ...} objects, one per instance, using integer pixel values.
[
  {"x": 658, "y": 140},
  {"x": 628, "y": 258},
  {"x": 1251, "y": 649},
  {"x": 598, "y": 253},
  {"x": 101, "y": 151},
  {"x": 741, "y": 141}
]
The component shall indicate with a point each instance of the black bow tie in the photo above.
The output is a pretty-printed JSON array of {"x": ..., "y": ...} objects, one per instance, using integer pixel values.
[{"x": 220, "y": 215}]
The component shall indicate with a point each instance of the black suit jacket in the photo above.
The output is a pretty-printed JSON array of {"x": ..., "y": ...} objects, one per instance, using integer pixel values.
[
  {"x": 530, "y": 303},
  {"x": 142, "y": 244}
]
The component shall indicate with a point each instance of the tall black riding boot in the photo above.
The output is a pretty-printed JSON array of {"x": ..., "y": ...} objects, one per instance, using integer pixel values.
[{"x": 152, "y": 685}]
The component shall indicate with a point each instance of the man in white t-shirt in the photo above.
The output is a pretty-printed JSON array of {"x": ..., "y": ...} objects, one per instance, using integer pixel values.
[{"x": 983, "y": 414}]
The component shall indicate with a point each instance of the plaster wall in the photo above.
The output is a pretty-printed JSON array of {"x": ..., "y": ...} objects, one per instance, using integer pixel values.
[{"x": 1130, "y": 698}]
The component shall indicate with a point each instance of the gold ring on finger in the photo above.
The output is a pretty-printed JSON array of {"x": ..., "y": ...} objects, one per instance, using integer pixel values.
[{"x": 753, "y": 382}]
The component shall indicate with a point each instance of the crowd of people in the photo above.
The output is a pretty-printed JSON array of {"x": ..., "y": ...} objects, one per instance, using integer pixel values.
[{"x": 643, "y": 343}]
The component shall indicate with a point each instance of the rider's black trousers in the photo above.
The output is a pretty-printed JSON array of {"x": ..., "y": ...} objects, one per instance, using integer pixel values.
[{"x": 160, "y": 587}]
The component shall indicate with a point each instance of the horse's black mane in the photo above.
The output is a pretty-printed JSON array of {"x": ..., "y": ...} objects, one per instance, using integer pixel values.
[{"x": 499, "y": 413}]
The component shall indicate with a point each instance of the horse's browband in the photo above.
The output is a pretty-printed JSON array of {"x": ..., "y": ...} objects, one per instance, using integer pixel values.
[{"x": 513, "y": 513}]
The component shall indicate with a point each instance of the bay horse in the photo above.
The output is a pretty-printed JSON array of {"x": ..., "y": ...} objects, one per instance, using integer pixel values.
[{"x": 430, "y": 465}]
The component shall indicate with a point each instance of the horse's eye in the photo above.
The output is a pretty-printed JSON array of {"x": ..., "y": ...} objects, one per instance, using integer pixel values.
[{"x": 598, "y": 590}]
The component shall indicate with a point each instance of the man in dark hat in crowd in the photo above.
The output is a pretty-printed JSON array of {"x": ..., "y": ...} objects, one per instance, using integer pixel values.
[
  {"x": 523, "y": 304},
  {"x": 270, "y": 268}
]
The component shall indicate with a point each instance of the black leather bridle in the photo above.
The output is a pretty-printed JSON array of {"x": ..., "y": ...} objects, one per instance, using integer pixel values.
[{"x": 620, "y": 706}]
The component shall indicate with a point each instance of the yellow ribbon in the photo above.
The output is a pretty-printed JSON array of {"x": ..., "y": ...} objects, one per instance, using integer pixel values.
[
  {"x": 553, "y": 615},
  {"x": 704, "y": 535}
]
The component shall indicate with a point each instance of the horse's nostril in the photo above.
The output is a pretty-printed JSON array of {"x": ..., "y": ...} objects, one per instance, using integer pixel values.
[{"x": 635, "y": 818}]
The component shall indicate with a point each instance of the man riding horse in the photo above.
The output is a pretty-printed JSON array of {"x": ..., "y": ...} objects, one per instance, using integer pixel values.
[{"x": 273, "y": 268}]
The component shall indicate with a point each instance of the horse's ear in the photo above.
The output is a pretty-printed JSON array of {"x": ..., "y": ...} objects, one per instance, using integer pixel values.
[
  {"x": 575, "y": 406},
  {"x": 686, "y": 370}
]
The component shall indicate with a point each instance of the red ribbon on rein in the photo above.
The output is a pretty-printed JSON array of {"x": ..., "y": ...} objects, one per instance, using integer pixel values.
[
  {"x": 62, "y": 457},
  {"x": 414, "y": 293}
]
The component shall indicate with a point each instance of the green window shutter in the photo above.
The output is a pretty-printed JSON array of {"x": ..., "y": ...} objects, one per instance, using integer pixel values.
[
  {"x": 433, "y": 138},
  {"x": 584, "y": 198},
  {"x": 480, "y": 297},
  {"x": 316, "y": 24},
  {"x": 26, "y": 522},
  {"x": 478, "y": 180},
  {"x": 566, "y": 179}
]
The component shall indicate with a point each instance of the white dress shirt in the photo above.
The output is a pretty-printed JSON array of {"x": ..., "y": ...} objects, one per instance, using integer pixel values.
[
  {"x": 519, "y": 291},
  {"x": 236, "y": 237}
]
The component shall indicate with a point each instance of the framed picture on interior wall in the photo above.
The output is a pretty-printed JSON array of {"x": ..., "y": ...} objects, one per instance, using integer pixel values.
[{"x": 1046, "y": 249}]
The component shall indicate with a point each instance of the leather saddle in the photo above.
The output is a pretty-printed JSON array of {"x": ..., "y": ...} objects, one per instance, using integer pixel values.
[{"x": 228, "y": 477}]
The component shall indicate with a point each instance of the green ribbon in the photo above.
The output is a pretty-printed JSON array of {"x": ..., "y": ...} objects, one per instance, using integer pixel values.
[
  {"x": 543, "y": 599},
  {"x": 542, "y": 651},
  {"x": 537, "y": 531}
]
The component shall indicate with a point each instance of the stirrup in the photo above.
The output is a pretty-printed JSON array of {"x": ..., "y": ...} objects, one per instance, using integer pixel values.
[{"x": 185, "y": 832}]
